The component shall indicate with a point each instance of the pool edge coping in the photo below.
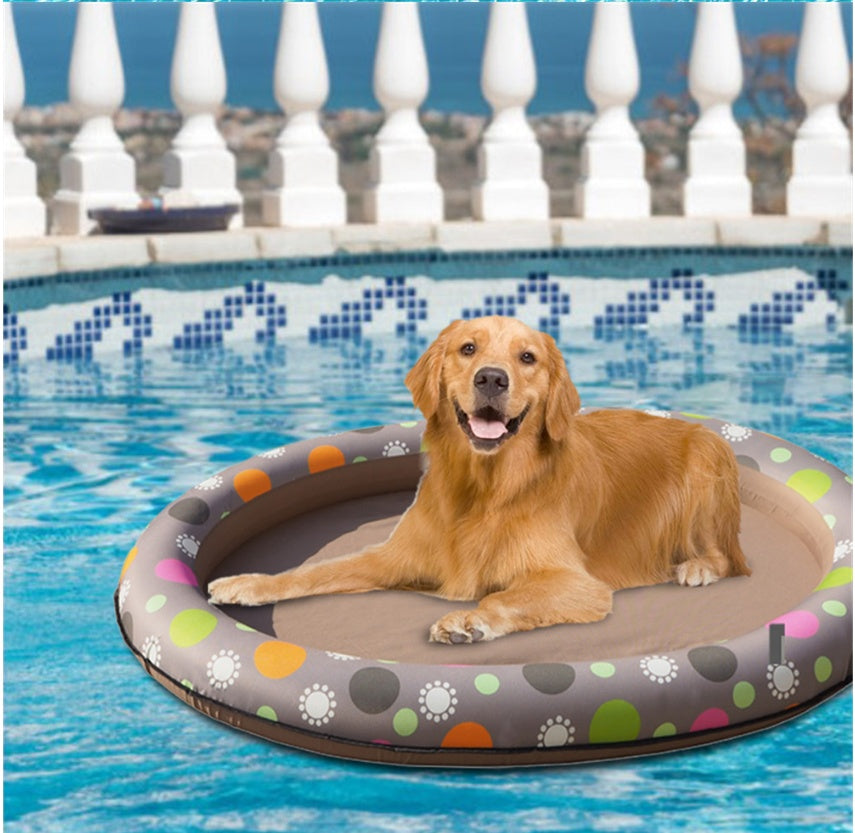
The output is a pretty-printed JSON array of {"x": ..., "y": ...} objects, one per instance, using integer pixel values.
[{"x": 45, "y": 256}]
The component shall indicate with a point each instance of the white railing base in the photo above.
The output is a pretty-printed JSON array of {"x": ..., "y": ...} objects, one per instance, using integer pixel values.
[
  {"x": 821, "y": 184},
  {"x": 23, "y": 212},
  {"x": 717, "y": 185},
  {"x": 201, "y": 177},
  {"x": 404, "y": 188},
  {"x": 613, "y": 184},
  {"x": 91, "y": 180},
  {"x": 306, "y": 191}
]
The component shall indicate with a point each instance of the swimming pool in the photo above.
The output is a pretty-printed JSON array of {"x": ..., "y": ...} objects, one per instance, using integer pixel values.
[{"x": 95, "y": 448}]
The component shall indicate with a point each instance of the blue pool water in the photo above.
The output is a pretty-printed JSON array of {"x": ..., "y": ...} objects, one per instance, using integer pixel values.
[{"x": 94, "y": 450}]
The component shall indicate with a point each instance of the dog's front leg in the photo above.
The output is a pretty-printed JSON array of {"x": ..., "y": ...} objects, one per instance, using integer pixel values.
[
  {"x": 535, "y": 600},
  {"x": 388, "y": 565}
]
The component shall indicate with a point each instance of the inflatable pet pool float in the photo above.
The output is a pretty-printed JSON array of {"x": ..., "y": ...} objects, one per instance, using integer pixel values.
[{"x": 355, "y": 675}]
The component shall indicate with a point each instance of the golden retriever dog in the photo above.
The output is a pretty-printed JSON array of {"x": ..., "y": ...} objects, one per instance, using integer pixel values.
[{"x": 535, "y": 511}]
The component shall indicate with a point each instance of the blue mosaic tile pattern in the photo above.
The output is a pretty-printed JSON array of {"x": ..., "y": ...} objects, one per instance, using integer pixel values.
[
  {"x": 265, "y": 309},
  {"x": 122, "y": 310}
]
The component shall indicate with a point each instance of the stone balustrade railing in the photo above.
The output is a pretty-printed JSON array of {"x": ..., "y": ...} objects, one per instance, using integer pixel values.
[{"x": 303, "y": 188}]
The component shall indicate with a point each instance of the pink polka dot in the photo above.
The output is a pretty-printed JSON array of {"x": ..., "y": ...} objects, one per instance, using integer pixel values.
[
  {"x": 174, "y": 570},
  {"x": 382, "y": 742},
  {"x": 800, "y": 623},
  {"x": 710, "y": 719}
]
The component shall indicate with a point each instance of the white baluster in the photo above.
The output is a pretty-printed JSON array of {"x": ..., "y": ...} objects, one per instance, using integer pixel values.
[
  {"x": 96, "y": 173},
  {"x": 511, "y": 185},
  {"x": 199, "y": 169},
  {"x": 821, "y": 184},
  {"x": 403, "y": 163},
  {"x": 717, "y": 185},
  {"x": 612, "y": 157},
  {"x": 303, "y": 168},
  {"x": 23, "y": 211}
]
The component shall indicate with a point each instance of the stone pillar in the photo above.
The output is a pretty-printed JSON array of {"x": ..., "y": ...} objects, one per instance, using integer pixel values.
[
  {"x": 821, "y": 183},
  {"x": 199, "y": 169},
  {"x": 403, "y": 163},
  {"x": 717, "y": 185},
  {"x": 303, "y": 168},
  {"x": 96, "y": 173},
  {"x": 23, "y": 211},
  {"x": 613, "y": 183},
  {"x": 511, "y": 185}
]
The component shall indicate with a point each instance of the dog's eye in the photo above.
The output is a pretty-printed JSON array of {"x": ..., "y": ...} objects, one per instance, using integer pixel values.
[
  {"x": 467, "y": 349},
  {"x": 528, "y": 358}
]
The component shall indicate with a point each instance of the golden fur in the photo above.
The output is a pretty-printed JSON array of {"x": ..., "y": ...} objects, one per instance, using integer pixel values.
[{"x": 540, "y": 525}]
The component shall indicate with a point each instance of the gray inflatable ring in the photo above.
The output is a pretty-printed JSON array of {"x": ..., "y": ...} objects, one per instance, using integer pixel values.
[{"x": 462, "y": 708}]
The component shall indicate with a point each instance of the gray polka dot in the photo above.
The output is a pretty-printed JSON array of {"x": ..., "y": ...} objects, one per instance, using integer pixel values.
[
  {"x": 128, "y": 626},
  {"x": 549, "y": 677},
  {"x": 747, "y": 462},
  {"x": 373, "y": 690},
  {"x": 371, "y": 430},
  {"x": 713, "y": 662},
  {"x": 191, "y": 510}
]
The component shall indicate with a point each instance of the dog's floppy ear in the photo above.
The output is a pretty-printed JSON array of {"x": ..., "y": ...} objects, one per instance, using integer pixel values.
[
  {"x": 562, "y": 401},
  {"x": 424, "y": 379}
]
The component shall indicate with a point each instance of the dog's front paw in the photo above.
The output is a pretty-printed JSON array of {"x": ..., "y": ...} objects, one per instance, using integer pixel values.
[
  {"x": 461, "y": 627},
  {"x": 247, "y": 590},
  {"x": 695, "y": 573}
]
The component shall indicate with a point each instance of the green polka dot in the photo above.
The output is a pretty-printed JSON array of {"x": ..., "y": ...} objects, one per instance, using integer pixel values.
[
  {"x": 190, "y": 627},
  {"x": 848, "y": 479},
  {"x": 834, "y": 608},
  {"x": 694, "y": 416},
  {"x": 613, "y": 722},
  {"x": 743, "y": 695},
  {"x": 424, "y": 446},
  {"x": 388, "y": 661},
  {"x": 408, "y": 424},
  {"x": 155, "y": 603},
  {"x": 225, "y": 514},
  {"x": 487, "y": 683},
  {"x": 830, "y": 520},
  {"x": 811, "y": 484},
  {"x": 360, "y": 459},
  {"x": 602, "y": 669},
  {"x": 241, "y": 627},
  {"x": 188, "y": 685},
  {"x": 780, "y": 455},
  {"x": 836, "y": 578},
  {"x": 267, "y": 713},
  {"x": 665, "y": 730},
  {"x": 822, "y": 669},
  {"x": 405, "y": 722}
]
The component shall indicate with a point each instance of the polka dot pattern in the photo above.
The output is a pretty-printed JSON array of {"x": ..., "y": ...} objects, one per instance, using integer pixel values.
[
  {"x": 373, "y": 690},
  {"x": 277, "y": 660},
  {"x": 553, "y": 707},
  {"x": 190, "y": 510},
  {"x": 713, "y": 662},
  {"x": 549, "y": 677},
  {"x": 325, "y": 457},
  {"x": 251, "y": 483}
]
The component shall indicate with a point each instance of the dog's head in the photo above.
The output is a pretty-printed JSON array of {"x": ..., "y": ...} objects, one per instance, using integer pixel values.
[{"x": 496, "y": 378}]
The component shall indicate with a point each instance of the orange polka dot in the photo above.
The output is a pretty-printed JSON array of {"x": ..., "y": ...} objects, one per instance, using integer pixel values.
[
  {"x": 325, "y": 457},
  {"x": 468, "y": 735},
  {"x": 129, "y": 559},
  {"x": 278, "y": 659},
  {"x": 251, "y": 483}
]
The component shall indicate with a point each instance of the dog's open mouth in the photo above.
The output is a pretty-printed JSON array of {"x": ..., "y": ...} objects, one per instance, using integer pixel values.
[{"x": 487, "y": 428}]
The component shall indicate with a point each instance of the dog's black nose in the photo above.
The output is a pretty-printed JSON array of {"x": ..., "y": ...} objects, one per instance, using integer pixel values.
[{"x": 491, "y": 381}]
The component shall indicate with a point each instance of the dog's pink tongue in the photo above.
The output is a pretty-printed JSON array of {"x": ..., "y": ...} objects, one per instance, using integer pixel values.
[{"x": 487, "y": 429}]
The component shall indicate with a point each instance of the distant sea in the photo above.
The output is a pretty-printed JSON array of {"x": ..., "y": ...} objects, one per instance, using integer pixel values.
[{"x": 454, "y": 37}]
